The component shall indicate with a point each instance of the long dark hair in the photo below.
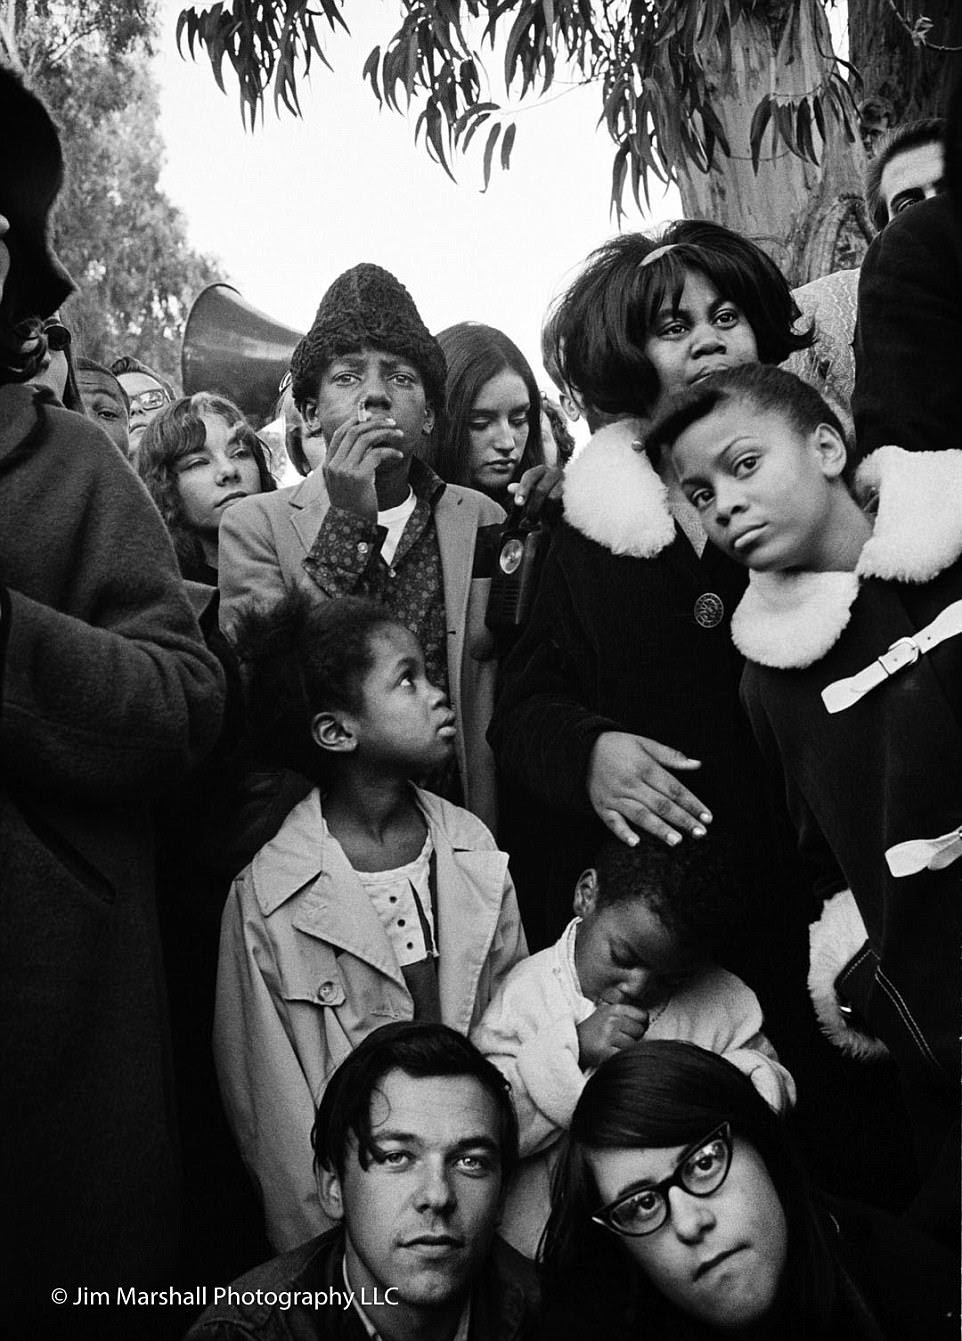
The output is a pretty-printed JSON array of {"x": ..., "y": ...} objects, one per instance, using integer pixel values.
[
  {"x": 475, "y": 353},
  {"x": 663, "y": 1094},
  {"x": 598, "y": 328},
  {"x": 177, "y": 430}
]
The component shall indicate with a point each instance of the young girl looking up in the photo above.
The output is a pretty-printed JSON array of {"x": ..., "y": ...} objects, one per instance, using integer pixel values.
[
  {"x": 375, "y": 900},
  {"x": 197, "y": 457},
  {"x": 493, "y": 410},
  {"x": 635, "y": 962}
]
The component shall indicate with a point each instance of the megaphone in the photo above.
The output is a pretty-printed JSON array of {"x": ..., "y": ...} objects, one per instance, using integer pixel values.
[{"x": 235, "y": 350}]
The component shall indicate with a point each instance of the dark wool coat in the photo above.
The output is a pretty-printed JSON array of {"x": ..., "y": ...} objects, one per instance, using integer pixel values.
[
  {"x": 887, "y": 769},
  {"x": 614, "y": 643},
  {"x": 108, "y": 696},
  {"x": 621, "y": 638},
  {"x": 908, "y": 340}
]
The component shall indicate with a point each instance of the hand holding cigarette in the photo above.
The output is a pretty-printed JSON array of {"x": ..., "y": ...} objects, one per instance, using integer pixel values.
[{"x": 358, "y": 448}]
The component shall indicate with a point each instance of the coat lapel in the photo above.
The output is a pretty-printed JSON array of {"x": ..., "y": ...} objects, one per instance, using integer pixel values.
[
  {"x": 308, "y": 505},
  {"x": 338, "y": 911},
  {"x": 335, "y": 907},
  {"x": 473, "y": 887},
  {"x": 453, "y": 522}
]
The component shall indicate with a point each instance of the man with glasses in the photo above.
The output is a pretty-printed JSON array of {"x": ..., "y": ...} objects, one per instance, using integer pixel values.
[{"x": 148, "y": 393}]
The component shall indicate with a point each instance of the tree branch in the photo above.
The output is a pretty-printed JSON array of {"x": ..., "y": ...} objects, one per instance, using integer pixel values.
[{"x": 919, "y": 30}]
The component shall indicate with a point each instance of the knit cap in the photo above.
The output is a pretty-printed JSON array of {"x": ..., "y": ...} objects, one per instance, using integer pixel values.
[{"x": 367, "y": 306}]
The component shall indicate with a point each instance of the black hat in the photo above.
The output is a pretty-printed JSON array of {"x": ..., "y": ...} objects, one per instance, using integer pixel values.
[
  {"x": 31, "y": 174},
  {"x": 367, "y": 306}
]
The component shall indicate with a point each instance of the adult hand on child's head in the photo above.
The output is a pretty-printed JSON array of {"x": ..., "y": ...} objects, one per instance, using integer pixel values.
[
  {"x": 613, "y": 1025},
  {"x": 537, "y": 486},
  {"x": 355, "y": 452},
  {"x": 629, "y": 787}
]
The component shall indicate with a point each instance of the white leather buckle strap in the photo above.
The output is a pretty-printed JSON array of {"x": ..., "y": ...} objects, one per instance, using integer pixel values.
[
  {"x": 924, "y": 854},
  {"x": 904, "y": 652}
]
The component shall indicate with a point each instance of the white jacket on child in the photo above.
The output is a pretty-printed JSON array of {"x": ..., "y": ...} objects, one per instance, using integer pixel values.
[
  {"x": 530, "y": 1032},
  {"x": 306, "y": 971}
]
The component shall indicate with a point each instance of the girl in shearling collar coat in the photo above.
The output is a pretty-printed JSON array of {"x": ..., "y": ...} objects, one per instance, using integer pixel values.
[{"x": 628, "y": 648}]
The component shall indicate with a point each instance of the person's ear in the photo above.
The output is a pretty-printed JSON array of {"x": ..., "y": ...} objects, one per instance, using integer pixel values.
[
  {"x": 329, "y": 1192},
  {"x": 334, "y": 732},
  {"x": 832, "y": 451},
  {"x": 308, "y": 412},
  {"x": 586, "y": 893},
  {"x": 428, "y": 424},
  {"x": 570, "y": 406}
]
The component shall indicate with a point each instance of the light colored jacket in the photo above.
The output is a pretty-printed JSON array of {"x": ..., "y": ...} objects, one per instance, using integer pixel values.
[
  {"x": 530, "y": 1032},
  {"x": 307, "y": 971},
  {"x": 265, "y": 539}
]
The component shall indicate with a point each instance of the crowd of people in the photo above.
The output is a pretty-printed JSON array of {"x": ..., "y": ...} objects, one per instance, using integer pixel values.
[{"x": 373, "y": 969}]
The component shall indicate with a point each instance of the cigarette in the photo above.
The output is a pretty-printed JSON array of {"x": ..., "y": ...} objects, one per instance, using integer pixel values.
[{"x": 363, "y": 413}]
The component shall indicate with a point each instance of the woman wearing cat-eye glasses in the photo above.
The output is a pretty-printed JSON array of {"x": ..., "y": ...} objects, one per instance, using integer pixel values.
[{"x": 679, "y": 1212}]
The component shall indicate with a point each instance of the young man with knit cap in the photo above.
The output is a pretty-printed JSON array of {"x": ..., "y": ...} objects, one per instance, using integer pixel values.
[{"x": 374, "y": 520}]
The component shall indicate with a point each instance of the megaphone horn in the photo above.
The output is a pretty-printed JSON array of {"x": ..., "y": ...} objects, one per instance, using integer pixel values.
[{"x": 235, "y": 350}]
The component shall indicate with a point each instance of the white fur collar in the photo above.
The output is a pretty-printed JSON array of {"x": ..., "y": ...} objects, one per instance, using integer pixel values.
[
  {"x": 918, "y": 529},
  {"x": 613, "y": 494},
  {"x": 792, "y": 619}
]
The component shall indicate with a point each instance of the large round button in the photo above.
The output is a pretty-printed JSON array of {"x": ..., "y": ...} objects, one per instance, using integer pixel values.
[
  {"x": 709, "y": 610},
  {"x": 327, "y": 992},
  {"x": 512, "y": 552}
]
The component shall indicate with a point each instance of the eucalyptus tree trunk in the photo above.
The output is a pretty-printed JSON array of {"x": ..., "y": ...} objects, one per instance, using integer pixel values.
[
  {"x": 808, "y": 216},
  {"x": 910, "y": 81}
]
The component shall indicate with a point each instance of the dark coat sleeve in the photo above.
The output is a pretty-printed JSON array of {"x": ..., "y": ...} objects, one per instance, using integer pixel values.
[
  {"x": 908, "y": 338},
  {"x": 105, "y": 682},
  {"x": 541, "y": 732}
]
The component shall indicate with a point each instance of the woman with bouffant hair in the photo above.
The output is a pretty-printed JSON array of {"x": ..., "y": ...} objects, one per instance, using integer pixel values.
[{"x": 197, "y": 458}]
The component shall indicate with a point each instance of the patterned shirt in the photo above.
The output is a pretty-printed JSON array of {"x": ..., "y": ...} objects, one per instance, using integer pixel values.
[{"x": 345, "y": 560}]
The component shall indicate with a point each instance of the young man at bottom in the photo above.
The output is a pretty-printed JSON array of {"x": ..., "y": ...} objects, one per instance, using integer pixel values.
[{"x": 414, "y": 1141}]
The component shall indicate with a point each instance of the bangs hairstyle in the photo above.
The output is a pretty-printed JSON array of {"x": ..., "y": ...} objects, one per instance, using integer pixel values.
[
  {"x": 766, "y": 390},
  {"x": 690, "y": 889},
  {"x": 170, "y": 436},
  {"x": 475, "y": 353},
  {"x": 598, "y": 329},
  {"x": 301, "y": 656},
  {"x": 422, "y": 1051},
  {"x": 658, "y": 1095}
]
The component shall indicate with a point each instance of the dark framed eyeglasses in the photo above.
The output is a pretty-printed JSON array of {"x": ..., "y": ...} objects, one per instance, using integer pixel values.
[
  {"x": 702, "y": 1169},
  {"x": 58, "y": 337},
  {"x": 149, "y": 400}
]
